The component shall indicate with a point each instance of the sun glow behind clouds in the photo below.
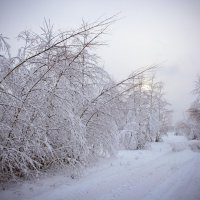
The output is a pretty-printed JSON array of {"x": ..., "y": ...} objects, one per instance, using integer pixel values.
[{"x": 146, "y": 87}]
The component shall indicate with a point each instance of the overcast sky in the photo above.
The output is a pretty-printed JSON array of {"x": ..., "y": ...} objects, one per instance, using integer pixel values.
[{"x": 150, "y": 32}]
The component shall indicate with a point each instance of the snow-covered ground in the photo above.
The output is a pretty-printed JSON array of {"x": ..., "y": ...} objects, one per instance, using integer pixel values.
[{"x": 167, "y": 171}]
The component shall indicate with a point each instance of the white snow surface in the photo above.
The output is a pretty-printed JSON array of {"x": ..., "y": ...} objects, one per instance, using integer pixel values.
[{"x": 168, "y": 170}]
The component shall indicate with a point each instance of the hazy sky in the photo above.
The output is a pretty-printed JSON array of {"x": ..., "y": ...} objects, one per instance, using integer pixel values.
[{"x": 150, "y": 32}]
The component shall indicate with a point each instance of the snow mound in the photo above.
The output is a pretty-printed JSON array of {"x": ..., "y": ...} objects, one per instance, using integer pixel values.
[
  {"x": 176, "y": 147},
  {"x": 195, "y": 146}
]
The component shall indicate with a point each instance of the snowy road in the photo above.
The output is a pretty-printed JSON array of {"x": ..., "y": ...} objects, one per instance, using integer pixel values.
[{"x": 168, "y": 171}]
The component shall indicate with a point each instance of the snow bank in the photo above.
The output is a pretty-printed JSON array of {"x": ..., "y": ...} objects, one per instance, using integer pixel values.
[{"x": 167, "y": 171}]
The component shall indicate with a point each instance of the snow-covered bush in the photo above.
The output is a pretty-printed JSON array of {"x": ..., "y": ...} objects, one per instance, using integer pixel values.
[{"x": 191, "y": 126}]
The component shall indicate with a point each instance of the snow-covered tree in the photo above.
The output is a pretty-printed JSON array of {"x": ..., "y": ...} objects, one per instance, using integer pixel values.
[
  {"x": 60, "y": 108},
  {"x": 147, "y": 113},
  {"x": 44, "y": 91}
]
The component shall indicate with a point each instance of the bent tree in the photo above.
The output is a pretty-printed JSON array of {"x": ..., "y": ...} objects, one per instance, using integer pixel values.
[{"x": 59, "y": 108}]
